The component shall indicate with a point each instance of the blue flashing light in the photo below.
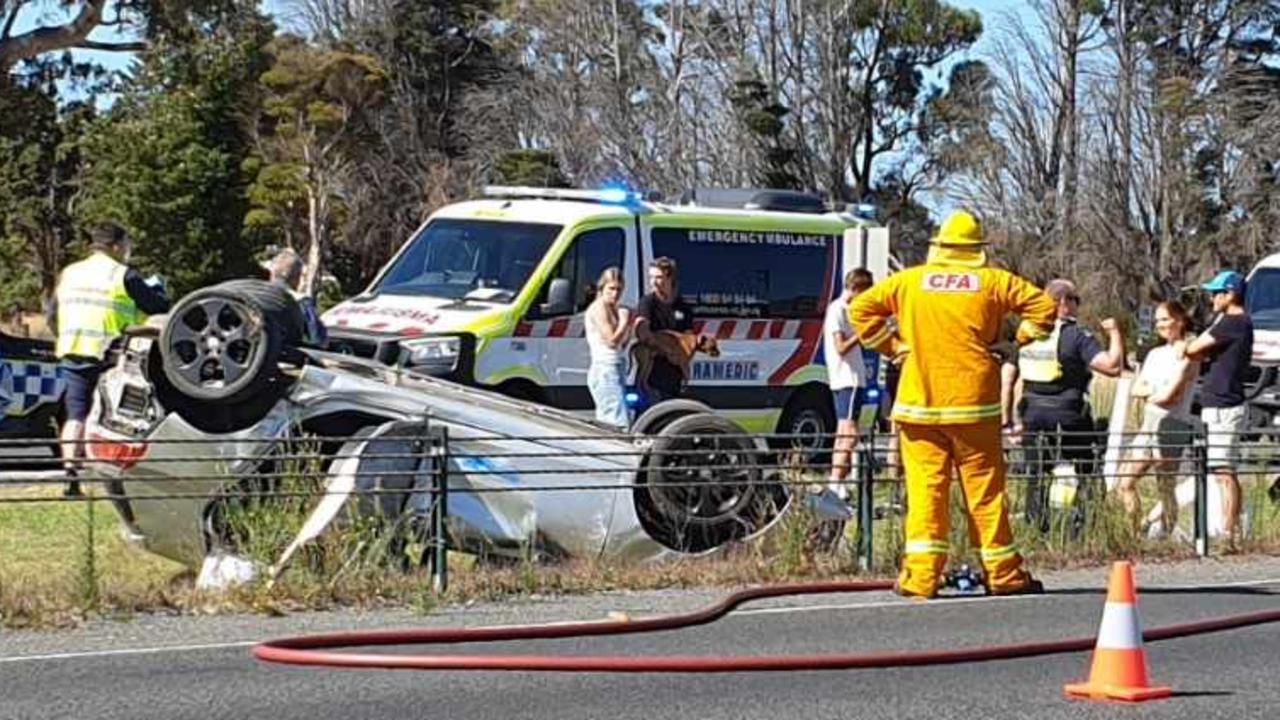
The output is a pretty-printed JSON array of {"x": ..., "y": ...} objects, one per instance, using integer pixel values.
[
  {"x": 866, "y": 211},
  {"x": 631, "y": 398},
  {"x": 873, "y": 394},
  {"x": 615, "y": 195}
]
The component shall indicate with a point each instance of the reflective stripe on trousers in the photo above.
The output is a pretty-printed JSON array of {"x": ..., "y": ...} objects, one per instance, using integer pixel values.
[{"x": 929, "y": 452}]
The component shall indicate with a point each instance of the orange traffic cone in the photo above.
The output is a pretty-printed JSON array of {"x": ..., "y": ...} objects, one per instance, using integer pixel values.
[{"x": 1119, "y": 669}]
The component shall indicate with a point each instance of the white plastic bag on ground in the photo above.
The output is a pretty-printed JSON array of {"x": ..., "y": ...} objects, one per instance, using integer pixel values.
[{"x": 219, "y": 572}]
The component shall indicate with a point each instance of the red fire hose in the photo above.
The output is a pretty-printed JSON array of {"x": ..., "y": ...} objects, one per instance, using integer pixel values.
[{"x": 314, "y": 649}]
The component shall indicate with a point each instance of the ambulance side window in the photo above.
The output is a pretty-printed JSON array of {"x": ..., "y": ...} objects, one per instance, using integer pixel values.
[
  {"x": 591, "y": 252},
  {"x": 734, "y": 273}
]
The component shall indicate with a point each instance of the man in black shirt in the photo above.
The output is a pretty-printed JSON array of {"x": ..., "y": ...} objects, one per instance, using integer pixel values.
[
  {"x": 1227, "y": 348},
  {"x": 1055, "y": 374},
  {"x": 662, "y": 309}
]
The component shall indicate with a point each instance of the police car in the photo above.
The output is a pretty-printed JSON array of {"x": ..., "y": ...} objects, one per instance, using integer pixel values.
[
  {"x": 31, "y": 388},
  {"x": 492, "y": 293}
]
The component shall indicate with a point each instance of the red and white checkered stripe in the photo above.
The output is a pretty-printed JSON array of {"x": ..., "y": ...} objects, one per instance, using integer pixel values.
[{"x": 721, "y": 329}]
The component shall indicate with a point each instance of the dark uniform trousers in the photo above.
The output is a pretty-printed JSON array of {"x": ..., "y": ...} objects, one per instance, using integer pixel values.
[{"x": 1055, "y": 429}]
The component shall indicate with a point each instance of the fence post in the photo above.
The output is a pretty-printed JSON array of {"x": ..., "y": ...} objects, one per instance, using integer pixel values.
[
  {"x": 440, "y": 509},
  {"x": 1200, "y": 455},
  {"x": 866, "y": 511}
]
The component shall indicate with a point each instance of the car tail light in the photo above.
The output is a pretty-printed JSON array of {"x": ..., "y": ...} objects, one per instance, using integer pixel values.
[{"x": 116, "y": 452}]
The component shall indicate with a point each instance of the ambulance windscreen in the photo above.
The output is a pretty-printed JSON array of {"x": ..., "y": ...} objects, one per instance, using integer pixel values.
[
  {"x": 1262, "y": 298},
  {"x": 454, "y": 258}
]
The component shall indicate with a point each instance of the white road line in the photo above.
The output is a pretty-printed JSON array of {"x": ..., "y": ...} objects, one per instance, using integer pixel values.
[
  {"x": 958, "y": 600},
  {"x": 896, "y": 603},
  {"x": 127, "y": 651}
]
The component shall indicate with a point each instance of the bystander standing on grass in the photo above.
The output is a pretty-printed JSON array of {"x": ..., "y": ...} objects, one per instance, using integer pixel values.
[{"x": 1227, "y": 348}]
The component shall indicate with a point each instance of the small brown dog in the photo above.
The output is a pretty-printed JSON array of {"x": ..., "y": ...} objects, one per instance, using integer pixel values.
[{"x": 676, "y": 347}]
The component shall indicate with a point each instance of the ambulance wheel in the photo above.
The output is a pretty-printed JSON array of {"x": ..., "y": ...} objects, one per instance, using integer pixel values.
[
  {"x": 808, "y": 424},
  {"x": 221, "y": 344},
  {"x": 523, "y": 390},
  {"x": 702, "y": 485}
]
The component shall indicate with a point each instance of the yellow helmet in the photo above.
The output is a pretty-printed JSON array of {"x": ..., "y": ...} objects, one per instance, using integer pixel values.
[{"x": 959, "y": 229}]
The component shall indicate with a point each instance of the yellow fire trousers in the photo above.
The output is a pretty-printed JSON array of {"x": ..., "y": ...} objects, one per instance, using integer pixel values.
[{"x": 929, "y": 453}]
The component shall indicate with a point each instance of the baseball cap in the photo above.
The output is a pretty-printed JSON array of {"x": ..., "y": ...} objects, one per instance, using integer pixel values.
[{"x": 1226, "y": 281}]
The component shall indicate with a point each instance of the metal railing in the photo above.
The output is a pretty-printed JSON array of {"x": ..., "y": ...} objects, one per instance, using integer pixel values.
[{"x": 420, "y": 471}]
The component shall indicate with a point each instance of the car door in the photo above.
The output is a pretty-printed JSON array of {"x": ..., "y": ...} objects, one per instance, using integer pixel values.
[{"x": 558, "y": 333}]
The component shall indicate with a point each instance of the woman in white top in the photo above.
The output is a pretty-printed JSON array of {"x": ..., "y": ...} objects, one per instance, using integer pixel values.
[
  {"x": 1166, "y": 381},
  {"x": 608, "y": 326}
]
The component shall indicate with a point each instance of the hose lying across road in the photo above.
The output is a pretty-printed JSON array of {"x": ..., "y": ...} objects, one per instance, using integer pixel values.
[{"x": 314, "y": 649}]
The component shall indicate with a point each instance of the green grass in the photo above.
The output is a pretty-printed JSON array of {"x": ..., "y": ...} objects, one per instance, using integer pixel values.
[{"x": 60, "y": 561}]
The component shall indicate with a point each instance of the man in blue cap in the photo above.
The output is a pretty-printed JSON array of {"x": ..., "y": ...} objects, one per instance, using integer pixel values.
[{"x": 1227, "y": 348}]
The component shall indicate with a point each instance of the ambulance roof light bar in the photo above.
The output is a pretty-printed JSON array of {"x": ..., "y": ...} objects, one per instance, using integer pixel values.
[
  {"x": 607, "y": 196},
  {"x": 790, "y": 201}
]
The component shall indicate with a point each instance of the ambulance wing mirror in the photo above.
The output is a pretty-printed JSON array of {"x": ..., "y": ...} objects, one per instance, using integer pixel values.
[{"x": 559, "y": 298}]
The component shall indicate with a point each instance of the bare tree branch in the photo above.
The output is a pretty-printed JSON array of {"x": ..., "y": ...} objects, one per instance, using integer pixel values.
[
  {"x": 111, "y": 47},
  {"x": 34, "y": 43}
]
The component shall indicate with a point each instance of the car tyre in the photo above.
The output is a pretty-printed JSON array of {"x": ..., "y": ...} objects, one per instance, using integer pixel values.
[
  {"x": 659, "y": 415},
  {"x": 221, "y": 344},
  {"x": 702, "y": 485}
]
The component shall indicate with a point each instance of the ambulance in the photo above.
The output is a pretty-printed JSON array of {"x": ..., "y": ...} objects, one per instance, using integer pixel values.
[
  {"x": 1262, "y": 300},
  {"x": 492, "y": 293}
]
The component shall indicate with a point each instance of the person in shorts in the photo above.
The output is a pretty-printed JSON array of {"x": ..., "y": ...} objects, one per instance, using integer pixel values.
[
  {"x": 1227, "y": 348},
  {"x": 846, "y": 375},
  {"x": 1166, "y": 381}
]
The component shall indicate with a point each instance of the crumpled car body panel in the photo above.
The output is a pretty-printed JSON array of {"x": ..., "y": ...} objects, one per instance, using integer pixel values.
[{"x": 567, "y": 452}]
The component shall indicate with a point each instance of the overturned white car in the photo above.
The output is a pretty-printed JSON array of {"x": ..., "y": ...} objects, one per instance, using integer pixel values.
[{"x": 192, "y": 415}]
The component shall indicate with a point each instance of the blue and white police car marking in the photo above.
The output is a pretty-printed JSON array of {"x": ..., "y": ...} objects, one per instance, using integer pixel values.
[{"x": 28, "y": 385}]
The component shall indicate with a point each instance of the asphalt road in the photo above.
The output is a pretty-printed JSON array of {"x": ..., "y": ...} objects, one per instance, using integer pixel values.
[{"x": 201, "y": 668}]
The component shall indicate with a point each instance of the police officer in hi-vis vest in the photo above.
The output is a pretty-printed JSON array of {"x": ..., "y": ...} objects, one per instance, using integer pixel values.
[
  {"x": 1055, "y": 375},
  {"x": 97, "y": 298}
]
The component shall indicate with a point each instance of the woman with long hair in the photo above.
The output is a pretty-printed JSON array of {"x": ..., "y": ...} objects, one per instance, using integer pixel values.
[
  {"x": 1166, "y": 381},
  {"x": 608, "y": 326}
]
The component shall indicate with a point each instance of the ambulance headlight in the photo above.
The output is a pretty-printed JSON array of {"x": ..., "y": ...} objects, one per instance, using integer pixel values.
[{"x": 433, "y": 355}]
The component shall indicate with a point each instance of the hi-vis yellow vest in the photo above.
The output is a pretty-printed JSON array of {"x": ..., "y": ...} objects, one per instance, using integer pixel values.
[
  {"x": 93, "y": 306},
  {"x": 1038, "y": 361}
]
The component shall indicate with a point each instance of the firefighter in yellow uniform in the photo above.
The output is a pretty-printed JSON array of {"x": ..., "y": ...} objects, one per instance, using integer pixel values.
[{"x": 949, "y": 313}]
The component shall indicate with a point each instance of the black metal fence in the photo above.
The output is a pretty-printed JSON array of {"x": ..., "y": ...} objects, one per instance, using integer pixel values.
[{"x": 181, "y": 497}]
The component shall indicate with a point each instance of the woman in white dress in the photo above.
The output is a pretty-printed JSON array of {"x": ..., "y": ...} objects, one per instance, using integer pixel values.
[
  {"x": 608, "y": 326},
  {"x": 1166, "y": 381}
]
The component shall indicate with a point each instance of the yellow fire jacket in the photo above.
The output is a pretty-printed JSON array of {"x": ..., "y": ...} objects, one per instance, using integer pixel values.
[{"x": 949, "y": 313}]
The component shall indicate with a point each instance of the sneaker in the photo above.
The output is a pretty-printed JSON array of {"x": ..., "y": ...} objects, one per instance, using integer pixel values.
[
  {"x": 72, "y": 490},
  {"x": 827, "y": 505}
]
